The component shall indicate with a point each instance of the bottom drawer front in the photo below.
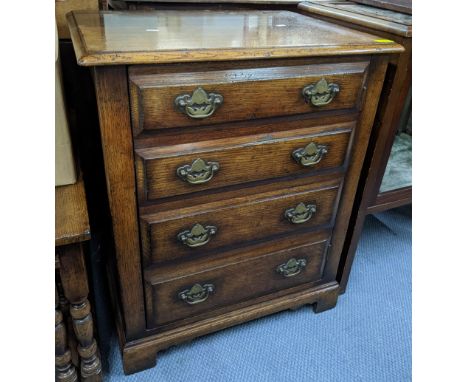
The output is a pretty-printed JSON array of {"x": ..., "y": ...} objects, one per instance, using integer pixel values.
[{"x": 198, "y": 293}]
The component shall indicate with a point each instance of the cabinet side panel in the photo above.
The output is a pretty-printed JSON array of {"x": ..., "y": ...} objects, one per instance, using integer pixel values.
[
  {"x": 117, "y": 146},
  {"x": 361, "y": 140}
]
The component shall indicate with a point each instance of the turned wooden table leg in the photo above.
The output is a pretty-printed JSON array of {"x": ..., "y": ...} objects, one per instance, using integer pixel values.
[
  {"x": 64, "y": 369},
  {"x": 75, "y": 288},
  {"x": 90, "y": 368}
]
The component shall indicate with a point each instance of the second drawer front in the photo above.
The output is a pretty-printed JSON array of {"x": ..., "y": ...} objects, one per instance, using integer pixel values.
[
  {"x": 198, "y": 230},
  {"x": 184, "y": 297},
  {"x": 163, "y": 172}
]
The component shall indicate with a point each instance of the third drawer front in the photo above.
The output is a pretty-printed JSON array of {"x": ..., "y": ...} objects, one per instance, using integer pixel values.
[
  {"x": 199, "y": 166},
  {"x": 202, "y": 229},
  {"x": 172, "y": 297}
]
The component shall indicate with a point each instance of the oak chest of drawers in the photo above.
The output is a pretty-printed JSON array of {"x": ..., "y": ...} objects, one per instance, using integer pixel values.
[{"x": 232, "y": 144}]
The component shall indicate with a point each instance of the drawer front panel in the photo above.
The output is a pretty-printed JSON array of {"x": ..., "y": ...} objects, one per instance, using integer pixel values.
[
  {"x": 162, "y": 101},
  {"x": 182, "y": 297},
  {"x": 201, "y": 229},
  {"x": 160, "y": 171}
]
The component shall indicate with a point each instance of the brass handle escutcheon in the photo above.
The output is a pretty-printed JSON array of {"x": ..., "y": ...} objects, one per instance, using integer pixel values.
[
  {"x": 310, "y": 155},
  {"x": 292, "y": 267},
  {"x": 199, "y": 104},
  {"x": 197, "y": 236},
  {"x": 321, "y": 93},
  {"x": 301, "y": 213},
  {"x": 198, "y": 172},
  {"x": 196, "y": 294}
]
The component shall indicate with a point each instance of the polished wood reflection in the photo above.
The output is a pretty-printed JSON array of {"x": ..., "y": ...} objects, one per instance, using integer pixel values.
[{"x": 104, "y": 38}]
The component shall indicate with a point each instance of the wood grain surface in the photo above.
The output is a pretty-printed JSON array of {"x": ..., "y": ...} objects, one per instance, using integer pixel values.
[
  {"x": 240, "y": 220},
  {"x": 391, "y": 103},
  {"x": 241, "y": 160},
  {"x": 235, "y": 282},
  {"x": 217, "y": 1},
  {"x": 253, "y": 235},
  {"x": 379, "y": 13},
  {"x": 361, "y": 141},
  {"x": 388, "y": 23},
  {"x": 71, "y": 214},
  {"x": 405, "y": 6},
  {"x": 110, "y": 38},
  {"x": 114, "y": 118},
  {"x": 247, "y": 93},
  {"x": 140, "y": 355},
  {"x": 62, "y": 7}
]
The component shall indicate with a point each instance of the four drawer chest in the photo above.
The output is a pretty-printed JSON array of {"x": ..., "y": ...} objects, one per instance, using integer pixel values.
[{"x": 233, "y": 143}]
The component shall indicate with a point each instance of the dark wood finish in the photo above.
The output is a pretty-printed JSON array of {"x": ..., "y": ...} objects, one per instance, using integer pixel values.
[
  {"x": 386, "y": 21},
  {"x": 267, "y": 127},
  {"x": 111, "y": 38},
  {"x": 254, "y": 237},
  {"x": 278, "y": 5},
  {"x": 391, "y": 199},
  {"x": 72, "y": 228},
  {"x": 74, "y": 282},
  {"x": 404, "y": 6},
  {"x": 391, "y": 106},
  {"x": 241, "y": 160},
  {"x": 359, "y": 149},
  {"x": 90, "y": 368},
  {"x": 114, "y": 117},
  {"x": 217, "y": 1},
  {"x": 247, "y": 93},
  {"x": 64, "y": 369},
  {"x": 71, "y": 214},
  {"x": 233, "y": 281},
  {"x": 383, "y": 14},
  {"x": 242, "y": 220},
  {"x": 62, "y": 7},
  {"x": 142, "y": 355}
]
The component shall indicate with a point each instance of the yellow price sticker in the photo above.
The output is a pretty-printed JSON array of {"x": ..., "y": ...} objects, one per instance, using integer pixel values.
[{"x": 384, "y": 40}]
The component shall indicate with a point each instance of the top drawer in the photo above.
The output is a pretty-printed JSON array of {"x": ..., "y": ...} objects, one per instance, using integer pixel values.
[{"x": 168, "y": 100}]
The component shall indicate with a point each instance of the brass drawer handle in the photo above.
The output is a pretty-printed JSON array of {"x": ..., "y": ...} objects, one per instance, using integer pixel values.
[
  {"x": 301, "y": 213},
  {"x": 196, "y": 294},
  {"x": 310, "y": 155},
  {"x": 198, "y": 172},
  {"x": 321, "y": 93},
  {"x": 197, "y": 236},
  {"x": 292, "y": 267},
  {"x": 199, "y": 104}
]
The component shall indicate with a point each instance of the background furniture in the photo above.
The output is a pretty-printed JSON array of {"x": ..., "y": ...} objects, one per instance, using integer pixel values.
[
  {"x": 192, "y": 4},
  {"x": 230, "y": 183},
  {"x": 73, "y": 318},
  {"x": 403, "y": 6},
  {"x": 386, "y": 178},
  {"x": 62, "y": 7},
  {"x": 65, "y": 172}
]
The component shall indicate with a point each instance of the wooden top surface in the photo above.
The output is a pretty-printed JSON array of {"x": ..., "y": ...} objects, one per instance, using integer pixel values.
[
  {"x": 404, "y": 6},
  {"x": 109, "y": 38},
  {"x": 376, "y": 18},
  {"x": 218, "y": 1},
  {"x": 71, "y": 214}
]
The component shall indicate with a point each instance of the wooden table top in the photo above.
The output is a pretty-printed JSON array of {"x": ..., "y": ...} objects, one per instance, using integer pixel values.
[
  {"x": 109, "y": 38},
  {"x": 218, "y": 1},
  {"x": 377, "y": 19},
  {"x": 404, "y": 6},
  {"x": 71, "y": 214}
]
